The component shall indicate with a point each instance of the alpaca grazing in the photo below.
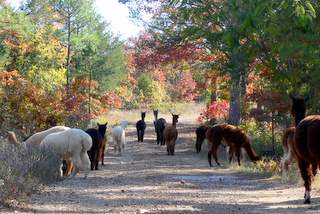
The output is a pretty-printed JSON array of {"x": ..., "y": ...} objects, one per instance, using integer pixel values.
[
  {"x": 306, "y": 145},
  {"x": 119, "y": 137},
  {"x": 287, "y": 144},
  {"x": 232, "y": 136},
  {"x": 171, "y": 134},
  {"x": 72, "y": 144},
  {"x": 159, "y": 125},
  {"x": 35, "y": 139},
  {"x": 200, "y": 136},
  {"x": 97, "y": 136},
  {"x": 141, "y": 126}
]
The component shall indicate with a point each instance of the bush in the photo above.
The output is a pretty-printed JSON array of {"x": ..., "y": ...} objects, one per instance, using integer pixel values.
[
  {"x": 23, "y": 170},
  {"x": 261, "y": 136}
]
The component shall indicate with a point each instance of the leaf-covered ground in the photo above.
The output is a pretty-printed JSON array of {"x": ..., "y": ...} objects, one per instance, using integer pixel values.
[{"x": 145, "y": 180}]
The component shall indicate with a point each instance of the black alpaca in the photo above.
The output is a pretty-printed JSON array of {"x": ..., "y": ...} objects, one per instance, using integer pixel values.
[
  {"x": 141, "y": 126},
  {"x": 201, "y": 136},
  {"x": 159, "y": 125},
  {"x": 97, "y": 136}
]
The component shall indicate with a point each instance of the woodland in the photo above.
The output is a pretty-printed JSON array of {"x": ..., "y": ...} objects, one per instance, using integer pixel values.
[{"x": 60, "y": 64}]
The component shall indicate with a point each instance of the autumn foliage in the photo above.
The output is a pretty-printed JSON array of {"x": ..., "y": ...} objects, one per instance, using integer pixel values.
[{"x": 218, "y": 110}]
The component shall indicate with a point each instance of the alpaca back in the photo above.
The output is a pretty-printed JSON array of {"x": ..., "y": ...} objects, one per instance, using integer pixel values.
[
  {"x": 36, "y": 138},
  {"x": 170, "y": 134},
  {"x": 68, "y": 142},
  {"x": 118, "y": 134}
]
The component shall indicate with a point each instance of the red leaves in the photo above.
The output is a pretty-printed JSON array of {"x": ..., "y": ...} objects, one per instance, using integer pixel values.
[
  {"x": 217, "y": 110},
  {"x": 186, "y": 87}
]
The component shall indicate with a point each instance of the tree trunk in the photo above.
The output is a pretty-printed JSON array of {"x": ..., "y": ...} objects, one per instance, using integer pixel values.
[
  {"x": 235, "y": 110},
  {"x": 68, "y": 54}
]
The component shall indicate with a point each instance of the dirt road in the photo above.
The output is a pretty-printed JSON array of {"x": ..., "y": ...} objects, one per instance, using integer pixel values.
[{"x": 145, "y": 180}]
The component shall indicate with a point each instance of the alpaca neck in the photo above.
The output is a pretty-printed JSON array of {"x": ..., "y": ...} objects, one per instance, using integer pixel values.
[
  {"x": 174, "y": 123},
  {"x": 299, "y": 117},
  {"x": 251, "y": 153}
]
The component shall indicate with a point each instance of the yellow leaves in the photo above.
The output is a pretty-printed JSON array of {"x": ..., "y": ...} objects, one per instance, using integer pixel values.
[{"x": 47, "y": 79}]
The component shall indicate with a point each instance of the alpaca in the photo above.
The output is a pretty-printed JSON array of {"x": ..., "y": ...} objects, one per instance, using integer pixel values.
[
  {"x": 159, "y": 125},
  {"x": 35, "y": 139},
  {"x": 119, "y": 136},
  {"x": 141, "y": 126},
  {"x": 171, "y": 134},
  {"x": 233, "y": 137},
  {"x": 306, "y": 146},
  {"x": 200, "y": 136},
  {"x": 287, "y": 144},
  {"x": 71, "y": 144},
  {"x": 97, "y": 136}
]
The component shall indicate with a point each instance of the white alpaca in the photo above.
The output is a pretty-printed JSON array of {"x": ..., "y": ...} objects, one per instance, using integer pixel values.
[
  {"x": 70, "y": 144},
  {"x": 119, "y": 136},
  {"x": 35, "y": 139}
]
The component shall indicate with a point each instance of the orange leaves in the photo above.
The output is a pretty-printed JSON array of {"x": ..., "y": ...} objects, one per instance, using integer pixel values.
[
  {"x": 7, "y": 78},
  {"x": 111, "y": 99}
]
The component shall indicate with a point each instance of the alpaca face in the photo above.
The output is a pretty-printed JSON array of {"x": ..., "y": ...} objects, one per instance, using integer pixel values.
[
  {"x": 175, "y": 118},
  {"x": 102, "y": 128}
]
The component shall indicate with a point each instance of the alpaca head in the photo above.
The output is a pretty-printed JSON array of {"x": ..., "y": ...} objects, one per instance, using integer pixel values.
[
  {"x": 124, "y": 124},
  {"x": 102, "y": 128},
  {"x": 298, "y": 108},
  {"x": 175, "y": 118}
]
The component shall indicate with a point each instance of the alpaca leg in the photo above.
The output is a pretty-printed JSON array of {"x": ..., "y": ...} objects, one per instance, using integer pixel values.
[
  {"x": 173, "y": 147},
  {"x": 97, "y": 162},
  {"x": 230, "y": 153},
  {"x": 76, "y": 160},
  {"x": 158, "y": 138},
  {"x": 306, "y": 174},
  {"x": 214, "y": 153},
  {"x": 238, "y": 154},
  {"x": 102, "y": 155},
  {"x": 210, "y": 158},
  {"x": 138, "y": 134},
  {"x": 314, "y": 168},
  {"x": 85, "y": 163},
  {"x": 142, "y": 135}
]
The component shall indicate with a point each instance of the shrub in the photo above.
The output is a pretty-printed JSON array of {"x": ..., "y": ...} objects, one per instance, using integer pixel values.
[
  {"x": 23, "y": 170},
  {"x": 261, "y": 136}
]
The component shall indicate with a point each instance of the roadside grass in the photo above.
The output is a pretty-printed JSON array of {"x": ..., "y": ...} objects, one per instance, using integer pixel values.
[{"x": 189, "y": 112}]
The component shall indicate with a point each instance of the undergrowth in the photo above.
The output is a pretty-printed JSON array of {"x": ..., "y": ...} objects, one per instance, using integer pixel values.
[{"x": 23, "y": 170}]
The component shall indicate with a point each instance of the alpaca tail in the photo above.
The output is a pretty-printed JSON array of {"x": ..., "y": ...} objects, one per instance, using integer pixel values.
[{"x": 251, "y": 153}]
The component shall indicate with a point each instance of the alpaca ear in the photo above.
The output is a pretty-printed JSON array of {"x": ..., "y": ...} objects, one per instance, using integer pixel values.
[
  {"x": 106, "y": 123},
  {"x": 98, "y": 124},
  {"x": 306, "y": 98}
]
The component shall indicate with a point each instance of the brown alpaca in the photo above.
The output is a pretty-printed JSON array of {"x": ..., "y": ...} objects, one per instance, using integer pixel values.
[
  {"x": 233, "y": 137},
  {"x": 306, "y": 145},
  {"x": 287, "y": 144},
  {"x": 170, "y": 134}
]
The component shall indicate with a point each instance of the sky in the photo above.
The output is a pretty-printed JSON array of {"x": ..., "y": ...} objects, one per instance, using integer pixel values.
[{"x": 114, "y": 13}]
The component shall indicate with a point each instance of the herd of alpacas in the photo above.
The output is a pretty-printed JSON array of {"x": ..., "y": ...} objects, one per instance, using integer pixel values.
[{"x": 82, "y": 150}]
